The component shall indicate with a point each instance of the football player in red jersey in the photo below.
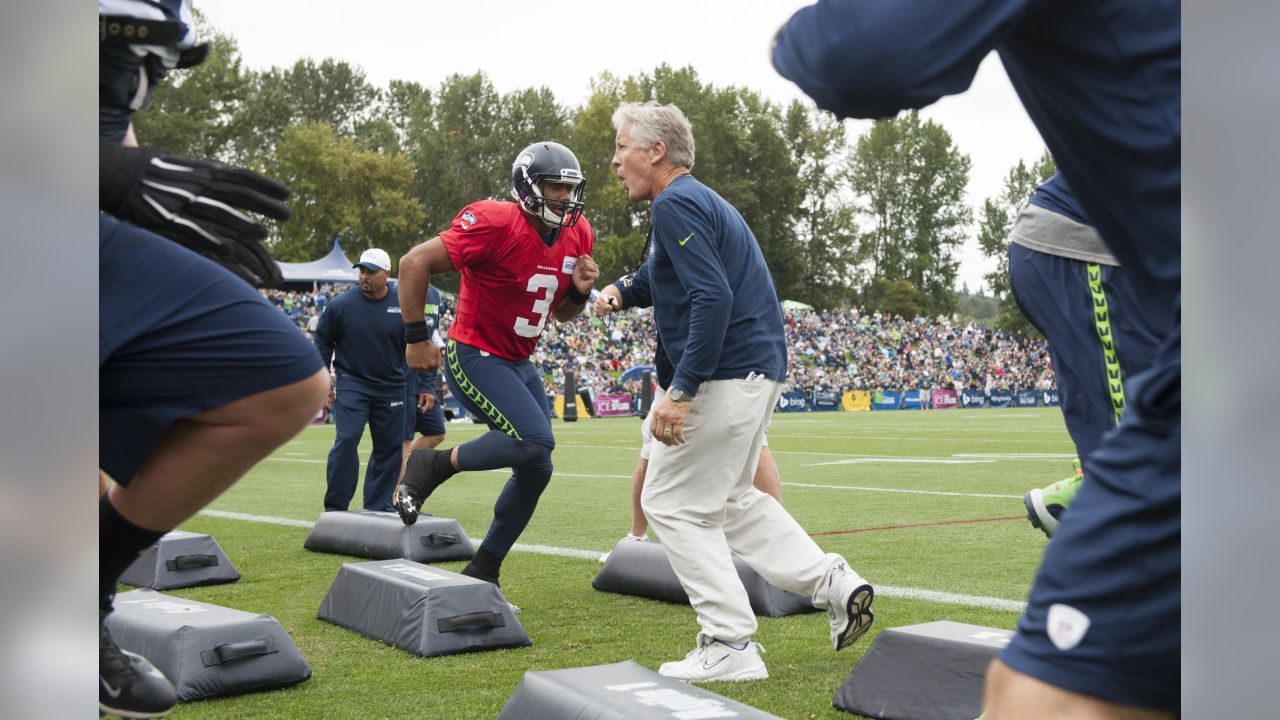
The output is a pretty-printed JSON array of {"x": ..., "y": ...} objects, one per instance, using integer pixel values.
[{"x": 521, "y": 263}]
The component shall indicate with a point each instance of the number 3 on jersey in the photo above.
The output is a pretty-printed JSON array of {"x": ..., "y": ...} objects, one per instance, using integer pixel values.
[{"x": 547, "y": 285}]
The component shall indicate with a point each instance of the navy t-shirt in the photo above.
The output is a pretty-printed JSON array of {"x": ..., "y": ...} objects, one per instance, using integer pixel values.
[
  {"x": 365, "y": 338},
  {"x": 716, "y": 307},
  {"x": 1054, "y": 195}
]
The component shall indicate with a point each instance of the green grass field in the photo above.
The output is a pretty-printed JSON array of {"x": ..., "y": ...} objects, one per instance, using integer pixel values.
[{"x": 926, "y": 505}]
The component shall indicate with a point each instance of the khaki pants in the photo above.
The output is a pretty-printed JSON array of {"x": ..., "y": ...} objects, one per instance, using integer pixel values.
[{"x": 700, "y": 502}]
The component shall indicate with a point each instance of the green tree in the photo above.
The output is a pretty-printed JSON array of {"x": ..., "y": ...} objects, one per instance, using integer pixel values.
[
  {"x": 530, "y": 116},
  {"x": 620, "y": 232},
  {"x": 331, "y": 91},
  {"x": 911, "y": 178},
  {"x": 459, "y": 156},
  {"x": 976, "y": 307},
  {"x": 196, "y": 112},
  {"x": 899, "y": 297},
  {"x": 339, "y": 189},
  {"x": 827, "y": 237},
  {"x": 994, "y": 227}
]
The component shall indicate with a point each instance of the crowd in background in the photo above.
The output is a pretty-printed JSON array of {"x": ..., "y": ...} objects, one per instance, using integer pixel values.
[{"x": 831, "y": 351}]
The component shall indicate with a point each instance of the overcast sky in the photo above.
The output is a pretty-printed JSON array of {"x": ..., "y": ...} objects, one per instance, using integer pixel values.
[{"x": 564, "y": 45}]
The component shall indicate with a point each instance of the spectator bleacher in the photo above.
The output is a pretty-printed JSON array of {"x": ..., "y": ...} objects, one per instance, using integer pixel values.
[{"x": 828, "y": 351}]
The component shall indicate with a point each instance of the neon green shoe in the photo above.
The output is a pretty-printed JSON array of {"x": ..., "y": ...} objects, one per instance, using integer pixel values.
[{"x": 1046, "y": 505}]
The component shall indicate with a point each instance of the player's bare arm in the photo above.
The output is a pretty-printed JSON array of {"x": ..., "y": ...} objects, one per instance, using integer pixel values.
[{"x": 416, "y": 268}]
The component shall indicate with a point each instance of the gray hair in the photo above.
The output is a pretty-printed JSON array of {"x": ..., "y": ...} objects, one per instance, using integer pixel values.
[{"x": 651, "y": 122}]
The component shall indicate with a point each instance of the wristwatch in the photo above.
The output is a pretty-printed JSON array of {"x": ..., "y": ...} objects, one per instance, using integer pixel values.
[{"x": 678, "y": 395}]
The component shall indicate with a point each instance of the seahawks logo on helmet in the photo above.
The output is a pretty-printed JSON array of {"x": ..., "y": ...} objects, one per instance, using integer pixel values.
[{"x": 544, "y": 162}]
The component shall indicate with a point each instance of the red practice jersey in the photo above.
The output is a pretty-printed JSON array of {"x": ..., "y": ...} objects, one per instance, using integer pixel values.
[{"x": 511, "y": 280}]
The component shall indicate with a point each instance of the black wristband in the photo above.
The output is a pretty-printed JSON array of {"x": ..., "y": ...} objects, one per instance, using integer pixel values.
[
  {"x": 578, "y": 298},
  {"x": 416, "y": 332}
]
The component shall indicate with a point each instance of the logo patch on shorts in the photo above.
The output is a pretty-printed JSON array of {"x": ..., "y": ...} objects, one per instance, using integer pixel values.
[
  {"x": 467, "y": 220},
  {"x": 569, "y": 264},
  {"x": 1066, "y": 626}
]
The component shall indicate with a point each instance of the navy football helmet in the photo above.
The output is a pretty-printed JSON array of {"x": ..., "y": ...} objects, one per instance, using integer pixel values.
[
  {"x": 139, "y": 43},
  {"x": 548, "y": 162}
]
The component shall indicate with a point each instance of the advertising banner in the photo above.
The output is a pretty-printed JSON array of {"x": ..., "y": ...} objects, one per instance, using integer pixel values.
[
  {"x": 1000, "y": 398},
  {"x": 613, "y": 404},
  {"x": 886, "y": 399},
  {"x": 826, "y": 401},
  {"x": 1049, "y": 398},
  {"x": 856, "y": 401},
  {"x": 1025, "y": 398},
  {"x": 911, "y": 400},
  {"x": 972, "y": 398},
  {"x": 944, "y": 399},
  {"x": 792, "y": 401}
]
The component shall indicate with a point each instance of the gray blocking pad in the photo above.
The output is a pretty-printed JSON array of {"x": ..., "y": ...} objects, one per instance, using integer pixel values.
[
  {"x": 642, "y": 569},
  {"x": 382, "y": 536},
  {"x": 421, "y": 609},
  {"x": 931, "y": 671},
  {"x": 624, "y": 690},
  {"x": 180, "y": 559},
  {"x": 206, "y": 650}
]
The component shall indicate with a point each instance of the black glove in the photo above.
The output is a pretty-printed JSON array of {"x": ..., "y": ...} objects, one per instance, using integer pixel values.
[{"x": 199, "y": 204}]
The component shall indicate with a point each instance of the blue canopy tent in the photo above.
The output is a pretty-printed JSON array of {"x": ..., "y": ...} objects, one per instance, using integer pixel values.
[{"x": 332, "y": 268}]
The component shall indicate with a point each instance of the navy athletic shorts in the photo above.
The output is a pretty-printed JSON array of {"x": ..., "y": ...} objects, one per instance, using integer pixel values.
[
  {"x": 429, "y": 423},
  {"x": 1104, "y": 614},
  {"x": 178, "y": 335},
  {"x": 1100, "y": 331}
]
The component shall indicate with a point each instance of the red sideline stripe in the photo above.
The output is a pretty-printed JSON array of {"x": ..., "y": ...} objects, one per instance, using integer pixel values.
[{"x": 918, "y": 525}]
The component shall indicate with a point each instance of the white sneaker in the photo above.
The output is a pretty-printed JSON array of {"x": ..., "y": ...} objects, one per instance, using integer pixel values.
[
  {"x": 848, "y": 605},
  {"x": 713, "y": 661},
  {"x": 628, "y": 538}
]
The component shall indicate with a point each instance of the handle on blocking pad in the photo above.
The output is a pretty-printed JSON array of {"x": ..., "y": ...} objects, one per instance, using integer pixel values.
[
  {"x": 440, "y": 539},
  {"x": 471, "y": 620},
  {"x": 226, "y": 652},
  {"x": 186, "y": 562}
]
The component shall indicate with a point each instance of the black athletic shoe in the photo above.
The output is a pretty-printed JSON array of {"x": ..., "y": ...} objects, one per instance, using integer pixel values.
[
  {"x": 417, "y": 485},
  {"x": 129, "y": 686},
  {"x": 405, "y": 504}
]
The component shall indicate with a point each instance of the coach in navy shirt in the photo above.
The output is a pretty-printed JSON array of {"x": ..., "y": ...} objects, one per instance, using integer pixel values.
[
  {"x": 362, "y": 335},
  {"x": 720, "y": 327}
]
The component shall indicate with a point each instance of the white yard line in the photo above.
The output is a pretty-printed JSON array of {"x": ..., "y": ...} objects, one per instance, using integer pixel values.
[
  {"x": 936, "y": 596},
  {"x": 267, "y": 519},
  {"x": 785, "y": 484},
  {"x": 883, "y": 459},
  {"x": 978, "y": 601}
]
